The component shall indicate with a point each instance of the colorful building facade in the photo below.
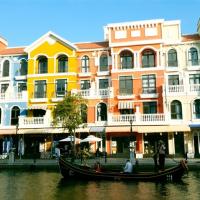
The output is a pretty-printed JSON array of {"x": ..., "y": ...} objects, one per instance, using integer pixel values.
[{"x": 142, "y": 84}]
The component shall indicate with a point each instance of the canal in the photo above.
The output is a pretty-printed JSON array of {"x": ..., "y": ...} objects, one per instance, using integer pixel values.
[{"x": 49, "y": 185}]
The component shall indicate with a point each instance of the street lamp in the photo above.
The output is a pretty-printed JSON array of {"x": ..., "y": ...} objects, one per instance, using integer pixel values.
[{"x": 131, "y": 140}]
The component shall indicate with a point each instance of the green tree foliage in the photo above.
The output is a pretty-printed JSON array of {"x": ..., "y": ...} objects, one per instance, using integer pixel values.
[{"x": 70, "y": 113}]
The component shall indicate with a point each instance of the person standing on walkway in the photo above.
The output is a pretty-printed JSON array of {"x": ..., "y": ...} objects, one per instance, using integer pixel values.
[{"x": 161, "y": 152}]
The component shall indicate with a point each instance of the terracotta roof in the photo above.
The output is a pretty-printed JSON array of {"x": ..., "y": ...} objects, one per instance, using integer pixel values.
[
  {"x": 92, "y": 45},
  {"x": 187, "y": 38},
  {"x": 8, "y": 51}
]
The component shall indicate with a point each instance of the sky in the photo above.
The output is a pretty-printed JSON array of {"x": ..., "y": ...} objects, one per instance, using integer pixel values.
[{"x": 24, "y": 21}]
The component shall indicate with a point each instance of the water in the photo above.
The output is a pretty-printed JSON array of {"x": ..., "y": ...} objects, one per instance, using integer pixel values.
[{"x": 48, "y": 185}]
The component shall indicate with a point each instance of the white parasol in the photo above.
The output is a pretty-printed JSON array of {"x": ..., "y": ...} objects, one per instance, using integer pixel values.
[
  {"x": 91, "y": 138},
  {"x": 70, "y": 139}
]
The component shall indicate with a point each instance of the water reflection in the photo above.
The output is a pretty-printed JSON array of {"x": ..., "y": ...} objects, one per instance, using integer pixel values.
[{"x": 46, "y": 185}]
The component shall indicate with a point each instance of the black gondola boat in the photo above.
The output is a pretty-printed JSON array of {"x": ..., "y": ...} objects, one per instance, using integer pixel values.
[{"x": 71, "y": 170}]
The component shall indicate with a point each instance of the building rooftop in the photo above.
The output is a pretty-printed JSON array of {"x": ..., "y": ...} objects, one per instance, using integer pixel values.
[
  {"x": 92, "y": 45},
  {"x": 12, "y": 51}
]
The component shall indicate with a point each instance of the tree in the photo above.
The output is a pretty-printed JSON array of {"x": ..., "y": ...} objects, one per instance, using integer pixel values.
[{"x": 69, "y": 113}]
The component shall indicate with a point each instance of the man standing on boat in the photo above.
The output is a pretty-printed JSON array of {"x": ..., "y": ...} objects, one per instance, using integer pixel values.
[{"x": 161, "y": 151}]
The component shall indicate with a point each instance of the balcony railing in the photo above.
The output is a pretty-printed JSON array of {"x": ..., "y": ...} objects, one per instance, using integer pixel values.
[
  {"x": 123, "y": 118},
  {"x": 183, "y": 89},
  {"x": 137, "y": 119},
  {"x": 94, "y": 94},
  {"x": 32, "y": 122},
  {"x": 175, "y": 88},
  {"x": 14, "y": 96}
]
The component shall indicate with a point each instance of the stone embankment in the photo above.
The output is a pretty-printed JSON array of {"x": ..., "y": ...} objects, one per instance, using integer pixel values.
[{"x": 143, "y": 164}]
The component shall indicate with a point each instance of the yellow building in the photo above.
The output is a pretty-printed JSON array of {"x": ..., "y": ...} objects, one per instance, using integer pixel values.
[{"x": 52, "y": 71}]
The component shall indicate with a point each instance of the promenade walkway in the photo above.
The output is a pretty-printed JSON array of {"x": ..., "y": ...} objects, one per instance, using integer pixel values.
[{"x": 193, "y": 164}]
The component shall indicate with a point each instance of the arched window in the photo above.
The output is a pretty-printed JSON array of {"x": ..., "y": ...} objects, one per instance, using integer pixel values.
[
  {"x": 84, "y": 113},
  {"x": 196, "y": 109},
  {"x": 23, "y": 67},
  {"x": 15, "y": 115},
  {"x": 176, "y": 110},
  {"x": 193, "y": 56},
  {"x": 85, "y": 64},
  {"x": 103, "y": 63},
  {"x": 172, "y": 58},
  {"x": 148, "y": 58},
  {"x": 6, "y": 68},
  {"x": 62, "y": 63},
  {"x": 101, "y": 112},
  {"x": 126, "y": 58},
  {"x": 42, "y": 65}
]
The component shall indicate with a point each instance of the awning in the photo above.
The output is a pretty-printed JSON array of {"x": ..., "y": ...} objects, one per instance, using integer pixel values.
[
  {"x": 97, "y": 129},
  {"x": 149, "y": 129},
  {"x": 48, "y": 130},
  {"x": 194, "y": 125},
  {"x": 125, "y": 105}
]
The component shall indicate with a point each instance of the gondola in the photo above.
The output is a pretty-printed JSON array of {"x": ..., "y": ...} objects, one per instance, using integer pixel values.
[{"x": 71, "y": 170}]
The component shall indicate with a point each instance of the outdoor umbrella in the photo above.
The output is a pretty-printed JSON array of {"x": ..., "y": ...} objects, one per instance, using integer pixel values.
[
  {"x": 70, "y": 139},
  {"x": 91, "y": 138}
]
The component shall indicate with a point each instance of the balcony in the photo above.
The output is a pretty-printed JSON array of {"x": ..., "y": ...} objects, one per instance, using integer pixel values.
[
  {"x": 113, "y": 120},
  {"x": 14, "y": 96},
  {"x": 32, "y": 122},
  {"x": 139, "y": 119},
  {"x": 190, "y": 89},
  {"x": 96, "y": 93}
]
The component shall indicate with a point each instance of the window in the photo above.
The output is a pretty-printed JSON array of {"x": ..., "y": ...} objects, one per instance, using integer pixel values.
[
  {"x": 126, "y": 111},
  {"x": 103, "y": 63},
  {"x": 103, "y": 83},
  {"x": 193, "y": 56},
  {"x": 194, "y": 79},
  {"x": 15, "y": 115},
  {"x": 61, "y": 86},
  {"x": 84, "y": 113},
  {"x": 150, "y": 107},
  {"x": 42, "y": 65},
  {"x": 126, "y": 58},
  {"x": 102, "y": 112},
  {"x": 23, "y": 67},
  {"x": 4, "y": 87},
  {"x": 149, "y": 84},
  {"x": 40, "y": 89},
  {"x": 39, "y": 112},
  {"x": 172, "y": 58},
  {"x": 176, "y": 110},
  {"x": 148, "y": 58},
  {"x": 173, "y": 80},
  {"x": 197, "y": 108},
  {"x": 6, "y": 68},
  {"x": 85, "y": 64},
  {"x": 22, "y": 87},
  {"x": 85, "y": 84},
  {"x": 62, "y": 63},
  {"x": 125, "y": 85}
]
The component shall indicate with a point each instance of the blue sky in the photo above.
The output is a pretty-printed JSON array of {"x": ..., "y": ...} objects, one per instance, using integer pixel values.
[{"x": 24, "y": 21}]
